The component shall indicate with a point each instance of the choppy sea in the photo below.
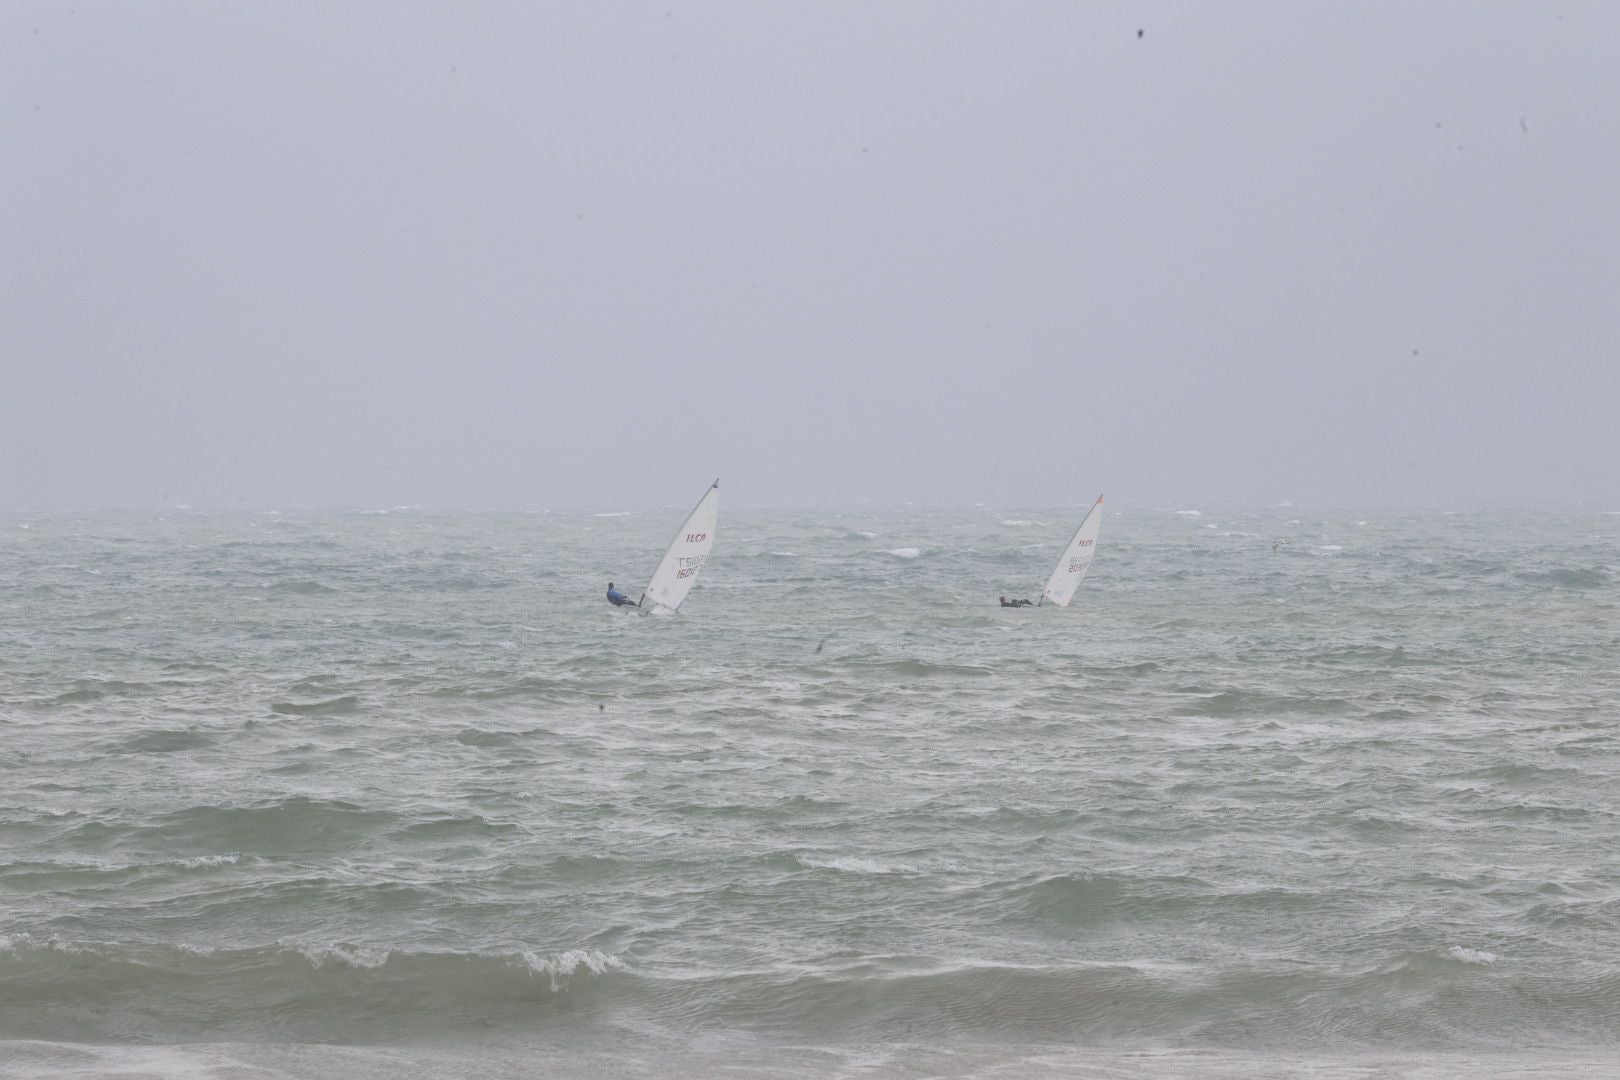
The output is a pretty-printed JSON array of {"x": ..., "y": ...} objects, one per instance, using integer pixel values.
[{"x": 1288, "y": 791}]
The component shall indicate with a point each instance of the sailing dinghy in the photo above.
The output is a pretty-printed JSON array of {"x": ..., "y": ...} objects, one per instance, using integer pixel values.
[
  {"x": 1076, "y": 560},
  {"x": 679, "y": 567}
]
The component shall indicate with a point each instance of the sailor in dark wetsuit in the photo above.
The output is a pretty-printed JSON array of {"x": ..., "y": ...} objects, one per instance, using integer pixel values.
[
  {"x": 618, "y": 599},
  {"x": 1015, "y": 603}
]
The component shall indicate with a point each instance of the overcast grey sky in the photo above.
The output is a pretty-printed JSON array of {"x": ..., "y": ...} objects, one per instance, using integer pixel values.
[{"x": 529, "y": 254}]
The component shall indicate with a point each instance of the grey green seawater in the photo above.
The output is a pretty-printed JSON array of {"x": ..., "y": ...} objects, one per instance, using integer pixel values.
[{"x": 1287, "y": 791}]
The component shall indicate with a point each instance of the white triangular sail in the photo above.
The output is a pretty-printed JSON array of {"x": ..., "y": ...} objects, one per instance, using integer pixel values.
[
  {"x": 686, "y": 555},
  {"x": 1076, "y": 559}
]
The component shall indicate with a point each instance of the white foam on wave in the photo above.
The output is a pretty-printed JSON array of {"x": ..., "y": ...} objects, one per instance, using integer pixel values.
[
  {"x": 613, "y": 513},
  {"x": 1332, "y": 547},
  {"x": 1189, "y": 513},
  {"x": 560, "y": 966},
  {"x": 786, "y": 554},
  {"x": 210, "y": 860},
  {"x": 874, "y": 865},
  {"x": 1471, "y": 956},
  {"x": 904, "y": 553},
  {"x": 30, "y": 943},
  {"x": 1017, "y": 522},
  {"x": 854, "y": 864},
  {"x": 355, "y": 956}
]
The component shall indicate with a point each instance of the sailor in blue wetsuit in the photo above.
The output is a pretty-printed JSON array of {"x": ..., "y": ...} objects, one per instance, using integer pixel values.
[{"x": 618, "y": 599}]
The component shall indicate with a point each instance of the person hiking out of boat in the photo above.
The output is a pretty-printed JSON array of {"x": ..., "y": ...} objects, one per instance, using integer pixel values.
[
  {"x": 1015, "y": 603},
  {"x": 618, "y": 599}
]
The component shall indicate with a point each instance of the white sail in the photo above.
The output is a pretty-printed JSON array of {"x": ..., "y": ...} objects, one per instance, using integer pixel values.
[
  {"x": 687, "y": 552},
  {"x": 1076, "y": 559}
]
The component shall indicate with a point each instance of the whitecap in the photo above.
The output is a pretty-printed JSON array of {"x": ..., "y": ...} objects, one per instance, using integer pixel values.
[
  {"x": 559, "y": 967},
  {"x": 613, "y": 513},
  {"x": 786, "y": 554},
  {"x": 1471, "y": 956},
  {"x": 904, "y": 553},
  {"x": 1189, "y": 513},
  {"x": 356, "y": 956},
  {"x": 857, "y": 865},
  {"x": 1015, "y": 522},
  {"x": 54, "y": 944}
]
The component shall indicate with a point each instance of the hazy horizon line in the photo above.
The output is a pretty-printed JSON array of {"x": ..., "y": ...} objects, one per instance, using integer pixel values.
[{"x": 1184, "y": 505}]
